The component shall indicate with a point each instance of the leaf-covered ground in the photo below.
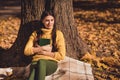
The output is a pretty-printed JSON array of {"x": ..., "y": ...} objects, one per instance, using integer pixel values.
[
  {"x": 100, "y": 29},
  {"x": 8, "y": 31}
]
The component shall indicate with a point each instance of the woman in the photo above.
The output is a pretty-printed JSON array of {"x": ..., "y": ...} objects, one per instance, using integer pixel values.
[{"x": 45, "y": 57}]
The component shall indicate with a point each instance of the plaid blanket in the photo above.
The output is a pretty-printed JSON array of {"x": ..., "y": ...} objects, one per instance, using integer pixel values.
[{"x": 72, "y": 69}]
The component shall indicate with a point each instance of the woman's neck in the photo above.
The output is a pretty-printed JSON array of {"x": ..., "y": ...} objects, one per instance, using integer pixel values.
[{"x": 46, "y": 31}]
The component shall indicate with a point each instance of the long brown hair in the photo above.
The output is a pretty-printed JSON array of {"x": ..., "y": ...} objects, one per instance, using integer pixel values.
[{"x": 39, "y": 32}]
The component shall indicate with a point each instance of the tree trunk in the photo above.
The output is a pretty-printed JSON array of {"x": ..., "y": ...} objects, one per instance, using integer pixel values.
[
  {"x": 76, "y": 48},
  {"x": 30, "y": 14}
]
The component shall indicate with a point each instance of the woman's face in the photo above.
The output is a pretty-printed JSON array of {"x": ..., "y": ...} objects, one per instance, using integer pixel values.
[{"x": 48, "y": 22}]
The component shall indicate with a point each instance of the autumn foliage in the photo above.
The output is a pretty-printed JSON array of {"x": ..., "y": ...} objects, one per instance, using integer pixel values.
[{"x": 100, "y": 29}]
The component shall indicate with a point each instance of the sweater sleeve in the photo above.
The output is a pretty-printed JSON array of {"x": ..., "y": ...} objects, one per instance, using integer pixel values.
[
  {"x": 28, "y": 48},
  {"x": 60, "y": 41}
]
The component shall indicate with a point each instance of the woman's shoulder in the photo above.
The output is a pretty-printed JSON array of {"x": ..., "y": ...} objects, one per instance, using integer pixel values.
[
  {"x": 34, "y": 34},
  {"x": 59, "y": 33}
]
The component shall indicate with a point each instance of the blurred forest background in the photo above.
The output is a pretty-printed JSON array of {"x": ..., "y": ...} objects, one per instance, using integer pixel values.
[{"x": 98, "y": 23}]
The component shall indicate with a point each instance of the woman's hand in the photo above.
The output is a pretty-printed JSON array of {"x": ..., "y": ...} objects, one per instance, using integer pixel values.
[
  {"x": 42, "y": 49},
  {"x": 47, "y": 48},
  {"x": 37, "y": 49},
  {"x": 46, "y": 53}
]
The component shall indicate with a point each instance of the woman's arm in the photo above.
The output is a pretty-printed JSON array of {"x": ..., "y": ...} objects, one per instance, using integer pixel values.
[
  {"x": 60, "y": 54},
  {"x": 29, "y": 48},
  {"x": 60, "y": 41}
]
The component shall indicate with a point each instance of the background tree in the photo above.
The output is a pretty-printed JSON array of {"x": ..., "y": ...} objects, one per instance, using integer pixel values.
[{"x": 30, "y": 14}]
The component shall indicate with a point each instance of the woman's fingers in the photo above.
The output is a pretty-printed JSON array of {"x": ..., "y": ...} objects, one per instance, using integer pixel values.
[{"x": 47, "y": 48}]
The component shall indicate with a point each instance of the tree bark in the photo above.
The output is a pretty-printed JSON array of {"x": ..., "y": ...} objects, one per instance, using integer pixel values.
[
  {"x": 76, "y": 48},
  {"x": 30, "y": 14}
]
